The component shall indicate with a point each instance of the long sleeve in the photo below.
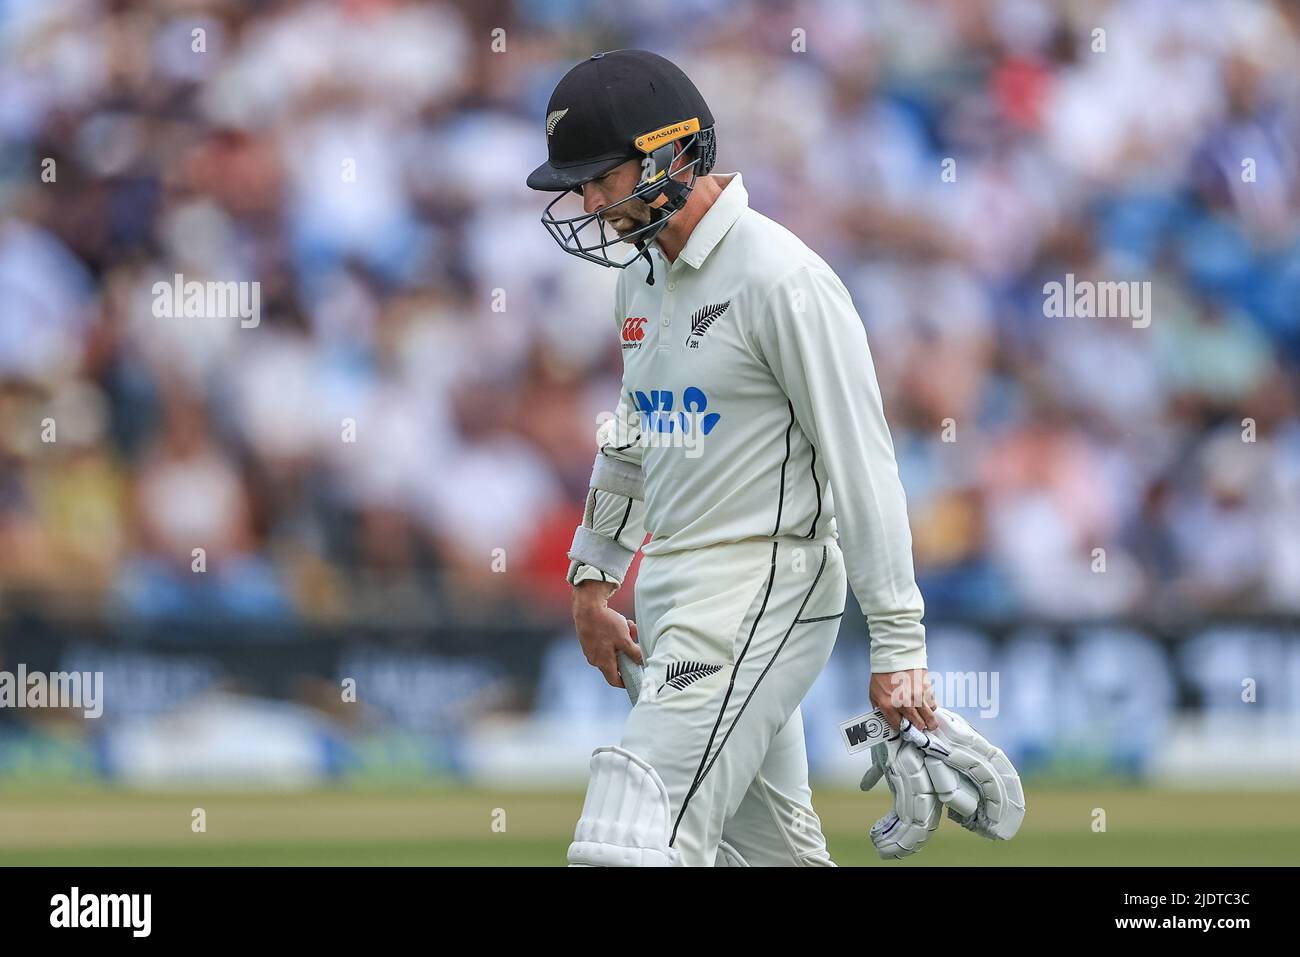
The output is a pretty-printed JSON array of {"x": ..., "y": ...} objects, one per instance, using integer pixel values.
[
  {"x": 810, "y": 335},
  {"x": 614, "y": 518}
]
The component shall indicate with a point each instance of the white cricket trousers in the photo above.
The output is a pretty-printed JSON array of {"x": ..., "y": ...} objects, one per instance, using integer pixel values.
[{"x": 734, "y": 636}]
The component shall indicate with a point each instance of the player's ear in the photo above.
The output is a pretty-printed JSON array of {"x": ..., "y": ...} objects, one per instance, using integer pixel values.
[{"x": 679, "y": 160}]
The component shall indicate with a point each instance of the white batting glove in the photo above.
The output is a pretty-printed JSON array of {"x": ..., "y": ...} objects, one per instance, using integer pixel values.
[
  {"x": 971, "y": 776},
  {"x": 917, "y": 808}
]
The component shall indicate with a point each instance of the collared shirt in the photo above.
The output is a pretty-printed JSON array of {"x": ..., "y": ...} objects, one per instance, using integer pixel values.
[{"x": 751, "y": 407}]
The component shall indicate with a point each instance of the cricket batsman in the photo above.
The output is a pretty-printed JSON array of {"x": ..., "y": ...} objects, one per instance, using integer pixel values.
[{"x": 750, "y": 442}]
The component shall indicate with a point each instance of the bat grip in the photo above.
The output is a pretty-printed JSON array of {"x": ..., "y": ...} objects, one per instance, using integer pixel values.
[{"x": 632, "y": 675}]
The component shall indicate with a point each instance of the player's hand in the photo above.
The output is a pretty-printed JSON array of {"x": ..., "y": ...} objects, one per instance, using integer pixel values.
[
  {"x": 603, "y": 632},
  {"x": 905, "y": 694}
]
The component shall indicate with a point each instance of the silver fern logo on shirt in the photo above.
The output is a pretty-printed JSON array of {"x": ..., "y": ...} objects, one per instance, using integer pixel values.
[{"x": 702, "y": 320}]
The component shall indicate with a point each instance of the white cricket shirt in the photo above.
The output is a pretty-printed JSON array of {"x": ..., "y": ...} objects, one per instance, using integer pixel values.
[{"x": 751, "y": 408}]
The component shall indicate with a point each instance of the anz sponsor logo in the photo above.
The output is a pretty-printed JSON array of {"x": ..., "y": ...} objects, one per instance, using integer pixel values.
[
  {"x": 658, "y": 414},
  {"x": 665, "y": 422}
]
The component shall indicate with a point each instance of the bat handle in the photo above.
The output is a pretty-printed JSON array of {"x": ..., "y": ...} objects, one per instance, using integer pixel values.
[{"x": 632, "y": 675}]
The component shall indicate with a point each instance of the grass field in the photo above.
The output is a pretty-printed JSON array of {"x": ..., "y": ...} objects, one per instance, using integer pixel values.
[{"x": 428, "y": 825}]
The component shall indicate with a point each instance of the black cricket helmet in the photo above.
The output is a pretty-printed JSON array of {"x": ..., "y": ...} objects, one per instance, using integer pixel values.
[{"x": 610, "y": 108}]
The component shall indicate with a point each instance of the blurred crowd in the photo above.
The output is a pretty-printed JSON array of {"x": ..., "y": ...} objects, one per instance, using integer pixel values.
[{"x": 410, "y": 425}]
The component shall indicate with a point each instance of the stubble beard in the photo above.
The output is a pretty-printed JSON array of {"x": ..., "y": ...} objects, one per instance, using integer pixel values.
[{"x": 630, "y": 220}]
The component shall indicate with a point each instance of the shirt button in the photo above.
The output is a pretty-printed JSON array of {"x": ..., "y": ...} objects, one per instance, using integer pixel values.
[
  {"x": 672, "y": 286},
  {"x": 665, "y": 320}
]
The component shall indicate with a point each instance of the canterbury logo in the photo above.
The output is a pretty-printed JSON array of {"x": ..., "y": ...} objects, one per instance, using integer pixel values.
[
  {"x": 702, "y": 320},
  {"x": 683, "y": 673},
  {"x": 634, "y": 330},
  {"x": 553, "y": 118}
]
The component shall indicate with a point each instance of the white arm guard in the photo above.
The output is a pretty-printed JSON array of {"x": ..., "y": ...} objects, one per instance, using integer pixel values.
[
  {"x": 973, "y": 777},
  {"x": 599, "y": 551},
  {"x": 614, "y": 475},
  {"x": 917, "y": 809},
  {"x": 612, "y": 526}
]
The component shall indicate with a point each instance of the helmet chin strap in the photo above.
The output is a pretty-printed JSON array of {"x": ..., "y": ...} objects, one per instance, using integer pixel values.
[
  {"x": 672, "y": 197},
  {"x": 650, "y": 272},
  {"x": 644, "y": 242}
]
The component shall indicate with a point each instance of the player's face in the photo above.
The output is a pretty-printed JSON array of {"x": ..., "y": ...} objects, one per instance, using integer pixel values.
[{"x": 609, "y": 189}]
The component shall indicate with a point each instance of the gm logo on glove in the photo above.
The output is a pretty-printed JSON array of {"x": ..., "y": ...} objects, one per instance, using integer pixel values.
[{"x": 866, "y": 730}]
